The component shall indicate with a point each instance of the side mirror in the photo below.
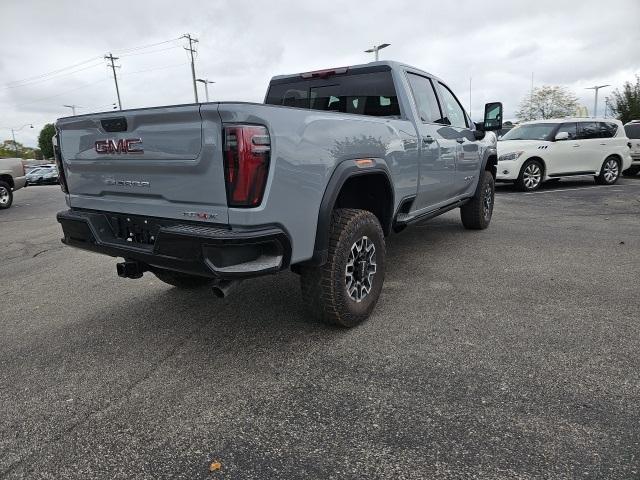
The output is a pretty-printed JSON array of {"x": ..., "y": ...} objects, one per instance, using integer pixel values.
[
  {"x": 492, "y": 116},
  {"x": 562, "y": 136}
]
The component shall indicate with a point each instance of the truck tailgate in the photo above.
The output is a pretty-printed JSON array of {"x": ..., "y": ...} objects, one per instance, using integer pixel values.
[{"x": 162, "y": 162}]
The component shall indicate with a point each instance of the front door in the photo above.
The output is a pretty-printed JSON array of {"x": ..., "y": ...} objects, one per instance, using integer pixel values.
[
  {"x": 565, "y": 156},
  {"x": 467, "y": 156}
]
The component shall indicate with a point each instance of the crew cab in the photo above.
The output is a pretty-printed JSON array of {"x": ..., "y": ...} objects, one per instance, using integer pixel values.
[
  {"x": 12, "y": 178},
  {"x": 542, "y": 150},
  {"x": 312, "y": 180}
]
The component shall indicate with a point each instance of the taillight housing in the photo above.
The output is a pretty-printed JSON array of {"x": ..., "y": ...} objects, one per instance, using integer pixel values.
[
  {"x": 58, "y": 161},
  {"x": 246, "y": 150}
]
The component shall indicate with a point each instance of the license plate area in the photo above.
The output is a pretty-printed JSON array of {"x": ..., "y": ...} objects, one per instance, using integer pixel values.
[{"x": 133, "y": 229}]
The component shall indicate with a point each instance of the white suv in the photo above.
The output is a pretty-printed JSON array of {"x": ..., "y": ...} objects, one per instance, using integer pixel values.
[
  {"x": 537, "y": 151},
  {"x": 632, "y": 130}
]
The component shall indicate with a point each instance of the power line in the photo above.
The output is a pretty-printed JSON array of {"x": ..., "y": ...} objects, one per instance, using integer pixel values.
[
  {"x": 147, "y": 53},
  {"x": 112, "y": 59},
  {"x": 53, "y": 72},
  {"x": 126, "y": 50},
  {"x": 61, "y": 93},
  {"x": 53, "y": 77},
  {"x": 152, "y": 69}
]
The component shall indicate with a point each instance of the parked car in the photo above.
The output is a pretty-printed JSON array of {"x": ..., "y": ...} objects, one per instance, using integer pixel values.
[
  {"x": 537, "y": 151},
  {"x": 632, "y": 129},
  {"x": 12, "y": 178},
  {"x": 313, "y": 180},
  {"x": 43, "y": 175}
]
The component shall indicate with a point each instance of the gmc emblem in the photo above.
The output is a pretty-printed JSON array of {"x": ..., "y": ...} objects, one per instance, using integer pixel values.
[{"x": 130, "y": 145}]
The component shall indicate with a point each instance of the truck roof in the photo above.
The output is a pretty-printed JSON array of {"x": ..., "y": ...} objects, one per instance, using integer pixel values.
[{"x": 394, "y": 65}]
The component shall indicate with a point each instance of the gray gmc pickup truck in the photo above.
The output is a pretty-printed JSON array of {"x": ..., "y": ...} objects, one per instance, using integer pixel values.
[{"x": 312, "y": 180}]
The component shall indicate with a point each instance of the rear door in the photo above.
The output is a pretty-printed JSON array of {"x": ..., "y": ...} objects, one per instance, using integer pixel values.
[
  {"x": 592, "y": 147},
  {"x": 163, "y": 162},
  {"x": 437, "y": 148}
]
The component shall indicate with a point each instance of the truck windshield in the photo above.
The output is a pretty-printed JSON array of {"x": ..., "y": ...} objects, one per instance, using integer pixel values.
[
  {"x": 361, "y": 93},
  {"x": 633, "y": 130},
  {"x": 531, "y": 131}
]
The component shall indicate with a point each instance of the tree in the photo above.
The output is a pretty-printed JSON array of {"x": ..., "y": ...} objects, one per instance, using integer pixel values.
[
  {"x": 547, "y": 102},
  {"x": 44, "y": 140},
  {"x": 626, "y": 104}
]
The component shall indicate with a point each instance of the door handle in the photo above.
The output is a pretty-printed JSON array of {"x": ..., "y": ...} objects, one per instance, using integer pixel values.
[
  {"x": 428, "y": 139},
  {"x": 460, "y": 140}
]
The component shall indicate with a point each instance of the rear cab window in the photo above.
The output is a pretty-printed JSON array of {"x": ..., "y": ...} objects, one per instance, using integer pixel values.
[
  {"x": 363, "y": 91},
  {"x": 425, "y": 99}
]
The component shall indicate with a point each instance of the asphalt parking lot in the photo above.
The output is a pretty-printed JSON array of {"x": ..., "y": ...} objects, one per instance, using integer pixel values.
[{"x": 507, "y": 353}]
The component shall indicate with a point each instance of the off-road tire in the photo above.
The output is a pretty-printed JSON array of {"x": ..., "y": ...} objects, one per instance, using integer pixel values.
[
  {"x": 631, "y": 171},
  {"x": 5, "y": 189},
  {"x": 181, "y": 280},
  {"x": 476, "y": 213},
  {"x": 521, "y": 183},
  {"x": 324, "y": 288},
  {"x": 606, "y": 171}
]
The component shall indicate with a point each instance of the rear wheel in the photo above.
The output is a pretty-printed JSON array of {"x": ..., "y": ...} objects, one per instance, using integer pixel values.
[
  {"x": 180, "y": 280},
  {"x": 344, "y": 291},
  {"x": 6, "y": 196},
  {"x": 531, "y": 175},
  {"x": 476, "y": 214},
  {"x": 610, "y": 172}
]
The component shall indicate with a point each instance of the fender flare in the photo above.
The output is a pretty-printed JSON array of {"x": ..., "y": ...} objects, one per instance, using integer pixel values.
[{"x": 343, "y": 172}]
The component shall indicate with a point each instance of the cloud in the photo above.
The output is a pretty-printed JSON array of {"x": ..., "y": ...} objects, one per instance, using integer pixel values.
[{"x": 242, "y": 44}]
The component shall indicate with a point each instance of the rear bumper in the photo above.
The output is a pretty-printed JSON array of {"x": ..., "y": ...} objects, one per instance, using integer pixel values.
[{"x": 195, "y": 248}]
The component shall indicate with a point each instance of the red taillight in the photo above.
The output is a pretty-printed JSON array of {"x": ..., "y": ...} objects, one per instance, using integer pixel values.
[
  {"x": 246, "y": 163},
  {"x": 58, "y": 161}
]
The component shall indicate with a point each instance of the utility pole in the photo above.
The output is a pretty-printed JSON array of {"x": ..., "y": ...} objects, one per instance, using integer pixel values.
[
  {"x": 531, "y": 99},
  {"x": 470, "y": 78},
  {"x": 206, "y": 86},
  {"x": 112, "y": 59},
  {"x": 73, "y": 108},
  {"x": 376, "y": 49},
  {"x": 13, "y": 135},
  {"x": 595, "y": 103},
  {"x": 192, "y": 50}
]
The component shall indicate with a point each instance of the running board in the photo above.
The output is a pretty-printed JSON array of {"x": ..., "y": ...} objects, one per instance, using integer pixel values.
[
  {"x": 571, "y": 174},
  {"x": 404, "y": 219}
]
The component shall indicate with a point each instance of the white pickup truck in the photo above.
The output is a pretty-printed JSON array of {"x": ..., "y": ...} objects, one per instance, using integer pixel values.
[{"x": 12, "y": 178}]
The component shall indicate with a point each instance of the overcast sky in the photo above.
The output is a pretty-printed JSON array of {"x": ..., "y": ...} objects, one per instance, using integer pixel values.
[{"x": 242, "y": 44}]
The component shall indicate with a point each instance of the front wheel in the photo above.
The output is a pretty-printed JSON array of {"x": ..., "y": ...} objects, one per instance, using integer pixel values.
[
  {"x": 476, "y": 214},
  {"x": 344, "y": 291},
  {"x": 530, "y": 177},
  {"x": 610, "y": 172},
  {"x": 6, "y": 196}
]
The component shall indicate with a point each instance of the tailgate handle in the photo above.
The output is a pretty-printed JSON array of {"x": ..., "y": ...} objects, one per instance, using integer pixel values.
[{"x": 118, "y": 124}]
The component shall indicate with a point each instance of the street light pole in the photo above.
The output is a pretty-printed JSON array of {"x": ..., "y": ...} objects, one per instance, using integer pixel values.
[
  {"x": 376, "y": 49},
  {"x": 206, "y": 83},
  {"x": 595, "y": 103},
  {"x": 73, "y": 108}
]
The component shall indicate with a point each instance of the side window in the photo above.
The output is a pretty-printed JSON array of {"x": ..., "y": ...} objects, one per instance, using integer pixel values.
[
  {"x": 588, "y": 130},
  {"x": 570, "y": 128},
  {"x": 452, "y": 109},
  {"x": 425, "y": 97},
  {"x": 607, "y": 129}
]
